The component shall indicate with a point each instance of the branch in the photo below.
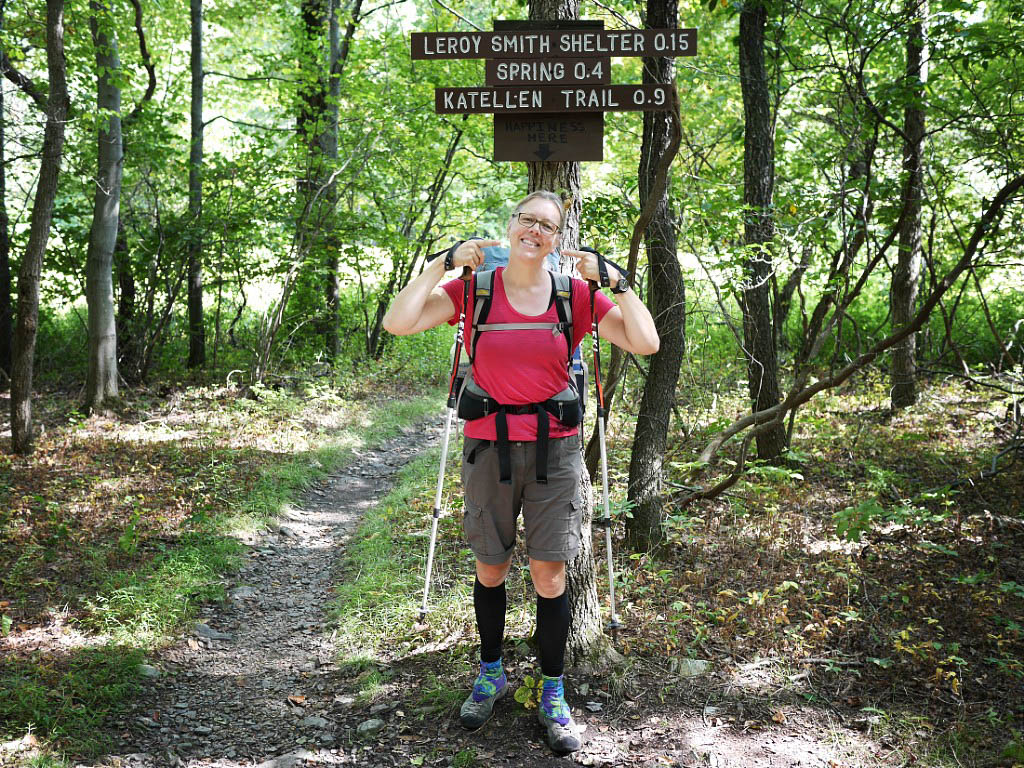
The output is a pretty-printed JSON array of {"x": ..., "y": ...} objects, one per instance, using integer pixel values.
[
  {"x": 458, "y": 15},
  {"x": 381, "y": 7},
  {"x": 658, "y": 188},
  {"x": 24, "y": 82},
  {"x": 626, "y": 23},
  {"x": 247, "y": 124},
  {"x": 247, "y": 79},
  {"x": 147, "y": 62},
  {"x": 29, "y": 156}
]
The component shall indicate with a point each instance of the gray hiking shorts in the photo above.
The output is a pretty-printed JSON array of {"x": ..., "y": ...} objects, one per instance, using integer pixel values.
[{"x": 552, "y": 512}]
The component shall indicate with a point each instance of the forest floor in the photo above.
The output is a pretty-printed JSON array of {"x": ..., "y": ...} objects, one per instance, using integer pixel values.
[{"x": 782, "y": 625}]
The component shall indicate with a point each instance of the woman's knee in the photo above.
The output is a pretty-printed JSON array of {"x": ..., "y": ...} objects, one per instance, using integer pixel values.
[
  {"x": 548, "y": 577},
  {"x": 492, "y": 575}
]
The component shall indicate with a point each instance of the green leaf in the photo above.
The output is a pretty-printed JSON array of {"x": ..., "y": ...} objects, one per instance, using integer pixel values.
[{"x": 5, "y": 625}]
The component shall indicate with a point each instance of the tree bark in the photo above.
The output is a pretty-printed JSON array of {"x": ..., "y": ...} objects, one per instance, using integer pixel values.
[
  {"x": 5, "y": 245},
  {"x": 906, "y": 277},
  {"x": 101, "y": 381},
  {"x": 332, "y": 287},
  {"x": 129, "y": 344},
  {"x": 759, "y": 226},
  {"x": 39, "y": 232},
  {"x": 317, "y": 126},
  {"x": 666, "y": 297},
  {"x": 196, "y": 329}
]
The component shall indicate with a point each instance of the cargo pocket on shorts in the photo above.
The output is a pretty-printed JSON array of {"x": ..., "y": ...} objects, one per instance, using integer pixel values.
[
  {"x": 481, "y": 535},
  {"x": 572, "y": 540}
]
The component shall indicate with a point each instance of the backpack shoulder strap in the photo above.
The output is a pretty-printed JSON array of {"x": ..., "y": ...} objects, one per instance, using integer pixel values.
[
  {"x": 483, "y": 287},
  {"x": 561, "y": 285}
]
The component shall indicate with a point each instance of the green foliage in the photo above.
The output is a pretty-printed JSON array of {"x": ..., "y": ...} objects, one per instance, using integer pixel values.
[
  {"x": 151, "y": 602},
  {"x": 528, "y": 694},
  {"x": 68, "y": 699},
  {"x": 853, "y": 521}
]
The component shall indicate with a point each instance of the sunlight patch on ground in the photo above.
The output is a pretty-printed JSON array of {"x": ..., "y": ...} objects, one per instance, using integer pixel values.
[{"x": 57, "y": 635}]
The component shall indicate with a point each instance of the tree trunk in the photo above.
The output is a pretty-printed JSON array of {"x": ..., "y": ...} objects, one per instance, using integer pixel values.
[
  {"x": 129, "y": 358},
  {"x": 667, "y": 303},
  {"x": 587, "y": 643},
  {"x": 759, "y": 227},
  {"x": 101, "y": 381},
  {"x": 332, "y": 287},
  {"x": 317, "y": 127},
  {"x": 39, "y": 232},
  {"x": 196, "y": 330},
  {"x": 5, "y": 246},
  {"x": 908, "y": 266}
]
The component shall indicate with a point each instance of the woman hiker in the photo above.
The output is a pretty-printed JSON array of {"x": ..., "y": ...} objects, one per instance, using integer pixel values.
[{"x": 522, "y": 459}]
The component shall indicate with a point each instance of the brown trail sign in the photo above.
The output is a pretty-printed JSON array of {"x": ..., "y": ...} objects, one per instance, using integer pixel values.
[
  {"x": 553, "y": 43},
  {"x": 559, "y": 98},
  {"x": 548, "y": 83}
]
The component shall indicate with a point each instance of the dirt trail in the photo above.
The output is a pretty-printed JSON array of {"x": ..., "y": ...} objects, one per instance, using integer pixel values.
[
  {"x": 255, "y": 682},
  {"x": 251, "y": 683}
]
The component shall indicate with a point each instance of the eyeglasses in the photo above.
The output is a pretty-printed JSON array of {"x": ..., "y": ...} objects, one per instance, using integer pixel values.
[{"x": 528, "y": 220}]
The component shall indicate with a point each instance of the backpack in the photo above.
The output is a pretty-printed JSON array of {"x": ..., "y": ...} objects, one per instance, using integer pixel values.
[
  {"x": 567, "y": 406},
  {"x": 497, "y": 256}
]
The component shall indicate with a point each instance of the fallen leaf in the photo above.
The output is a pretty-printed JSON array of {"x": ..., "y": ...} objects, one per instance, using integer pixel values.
[
  {"x": 297, "y": 701},
  {"x": 779, "y": 716}
]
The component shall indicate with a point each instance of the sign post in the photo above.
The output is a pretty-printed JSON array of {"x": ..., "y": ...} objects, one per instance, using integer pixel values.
[{"x": 548, "y": 83}]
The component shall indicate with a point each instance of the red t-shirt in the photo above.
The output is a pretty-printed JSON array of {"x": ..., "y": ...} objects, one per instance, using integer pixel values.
[{"x": 522, "y": 367}]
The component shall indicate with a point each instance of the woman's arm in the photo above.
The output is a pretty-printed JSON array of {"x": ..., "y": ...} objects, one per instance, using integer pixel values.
[
  {"x": 629, "y": 324},
  {"x": 421, "y": 305}
]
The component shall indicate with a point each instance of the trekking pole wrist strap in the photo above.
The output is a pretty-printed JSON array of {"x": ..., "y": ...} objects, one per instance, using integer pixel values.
[
  {"x": 449, "y": 258},
  {"x": 602, "y": 266}
]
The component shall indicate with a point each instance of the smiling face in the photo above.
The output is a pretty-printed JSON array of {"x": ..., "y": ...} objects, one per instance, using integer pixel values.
[{"x": 533, "y": 242}]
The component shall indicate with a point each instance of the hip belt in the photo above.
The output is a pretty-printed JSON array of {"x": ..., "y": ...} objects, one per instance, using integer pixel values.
[{"x": 475, "y": 403}]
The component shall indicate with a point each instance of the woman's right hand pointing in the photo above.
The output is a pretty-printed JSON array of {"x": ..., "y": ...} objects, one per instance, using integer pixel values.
[{"x": 471, "y": 253}]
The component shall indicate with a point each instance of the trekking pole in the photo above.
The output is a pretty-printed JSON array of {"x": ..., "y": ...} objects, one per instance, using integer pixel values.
[
  {"x": 614, "y": 624},
  {"x": 449, "y": 418}
]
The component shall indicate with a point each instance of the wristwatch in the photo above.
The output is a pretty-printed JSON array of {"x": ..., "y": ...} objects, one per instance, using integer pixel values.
[{"x": 622, "y": 285}]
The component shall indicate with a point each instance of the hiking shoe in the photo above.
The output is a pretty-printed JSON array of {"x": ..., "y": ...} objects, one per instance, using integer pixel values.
[
  {"x": 490, "y": 685},
  {"x": 553, "y": 713}
]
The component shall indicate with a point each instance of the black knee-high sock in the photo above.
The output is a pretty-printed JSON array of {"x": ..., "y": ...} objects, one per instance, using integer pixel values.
[
  {"x": 552, "y": 632},
  {"x": 489, "y": 603}
]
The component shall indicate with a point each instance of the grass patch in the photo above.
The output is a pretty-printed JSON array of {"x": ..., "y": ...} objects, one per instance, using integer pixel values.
[
  {"x": 146, "y": 605},
  {"x": 66, "y": 698},
  {"x": 376, "y": 604}
]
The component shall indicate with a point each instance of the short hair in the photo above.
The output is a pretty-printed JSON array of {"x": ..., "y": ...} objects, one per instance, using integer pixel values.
[{"x": 543, "y": 194}]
